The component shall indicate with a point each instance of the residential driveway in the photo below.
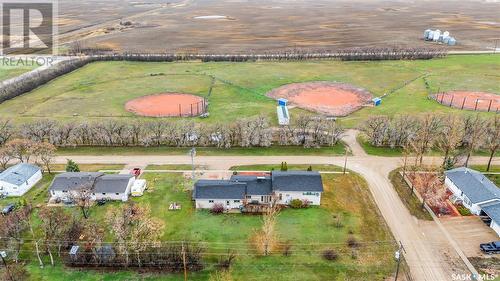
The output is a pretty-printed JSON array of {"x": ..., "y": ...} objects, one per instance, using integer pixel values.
[{"x": 469, "y": 232}]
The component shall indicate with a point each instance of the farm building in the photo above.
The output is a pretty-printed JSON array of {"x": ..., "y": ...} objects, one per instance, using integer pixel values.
[
  {"x": 18, "y": 179},
  {"x": 100, "y": 185},
  {"x": 245, "y": 189},
  {"x": 477, "y": 193}
]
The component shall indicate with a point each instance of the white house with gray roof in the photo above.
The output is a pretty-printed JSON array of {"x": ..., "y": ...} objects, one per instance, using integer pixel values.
[
  {"x": 18, "y": 179},
  {"x": 477, "y": 193},
  {"x": 100, "y": 185},
  {"x": 240, "y": 189}
]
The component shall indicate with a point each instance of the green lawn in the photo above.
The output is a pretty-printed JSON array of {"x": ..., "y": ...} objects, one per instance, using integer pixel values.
[
  {"x": 277, "y": 167},
  {"x": 346, "y": 199},
  {"x": 7, "y": 72},
  {"x": 89, "y": 167},
  {"x": 173, "y": 167},
  {"x": 203, "y": 151},
  {"x": 238, "y": 89}
]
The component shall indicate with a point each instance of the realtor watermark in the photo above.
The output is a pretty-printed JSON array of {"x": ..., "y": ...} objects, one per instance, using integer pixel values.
[
  {"x": 28, "y": 27},
  {"x": 472, "y": 277}
]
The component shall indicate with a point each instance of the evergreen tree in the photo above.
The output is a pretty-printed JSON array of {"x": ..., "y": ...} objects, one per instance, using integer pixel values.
[{"x": 71, "y": 166}]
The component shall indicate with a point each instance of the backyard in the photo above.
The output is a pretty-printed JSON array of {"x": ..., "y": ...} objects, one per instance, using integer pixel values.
[{"x": 347, "y": 212}]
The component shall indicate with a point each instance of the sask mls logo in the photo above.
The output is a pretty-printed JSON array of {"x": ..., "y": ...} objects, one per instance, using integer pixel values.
[{"x": 27, "y": 26}]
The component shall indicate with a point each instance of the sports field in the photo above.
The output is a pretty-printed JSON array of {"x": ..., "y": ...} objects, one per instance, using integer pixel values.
[{"x": 238, "y": 90}]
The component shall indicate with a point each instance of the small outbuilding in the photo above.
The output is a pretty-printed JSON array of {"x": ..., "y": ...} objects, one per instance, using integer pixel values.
[
  {"x": 138, "y": 187},
  {"x": 19, "y": 179}
]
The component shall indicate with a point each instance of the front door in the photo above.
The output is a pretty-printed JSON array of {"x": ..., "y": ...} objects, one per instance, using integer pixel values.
[{"x": 227, "y": 202}]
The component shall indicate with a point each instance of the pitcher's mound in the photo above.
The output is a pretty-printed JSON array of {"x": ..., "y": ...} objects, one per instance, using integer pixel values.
[
  {"x": 333, "y": 99},
  {"x": 480, "y": 101},
  {"x": 167, "y": 105}
]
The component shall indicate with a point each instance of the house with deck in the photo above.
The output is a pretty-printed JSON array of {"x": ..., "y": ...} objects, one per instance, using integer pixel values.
[
  {"x": 19, "y": 179},
  {"x": 279, "y": 186},
  {"x": 101, "y": 186},
  {"x": 477, "y": 193}
]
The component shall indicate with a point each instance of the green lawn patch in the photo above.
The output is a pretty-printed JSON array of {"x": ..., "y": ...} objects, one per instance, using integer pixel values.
[
  {"x": 338, "y": 149},
  {"x": 277, "y": 167},
  {"x": 89, "y": 167},
  {"x": 409, "y": 199}
]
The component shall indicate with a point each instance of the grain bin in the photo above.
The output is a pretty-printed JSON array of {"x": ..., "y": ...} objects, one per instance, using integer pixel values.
[
  {"x": 452, "y": 41},
  {"x": 436, "y": 34},
  {"x": 426, "y": 34}
]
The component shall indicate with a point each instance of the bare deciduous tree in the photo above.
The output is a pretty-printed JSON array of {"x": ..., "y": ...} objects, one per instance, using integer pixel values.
[
  {"x": 45, "y": 152},
  {"x": 492, "y": 138},
  {"x": 473, "y": 135},
  {"x": 54, "y": 223},
  {"x": 20, "y": 149},
  {"x": 449, "y": 136}
]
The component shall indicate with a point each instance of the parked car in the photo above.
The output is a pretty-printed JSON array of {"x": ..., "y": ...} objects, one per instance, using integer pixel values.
[
  {"x": 3, "y": 195},
  {"x": 136, "y": 172},
  {"x": 490, "y": 248},
  {"x": 67, "y": 201},
  {"x": 101, "y": 202},
  {"x": 7, "y": 209}
]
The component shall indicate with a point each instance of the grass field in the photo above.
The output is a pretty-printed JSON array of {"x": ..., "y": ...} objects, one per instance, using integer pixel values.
[
  {"x": 100, "y": 90},
  {"x": 338, "y": 149},
  {"x": 346, "y": 199},
  {"x": 7, "y": 72}
]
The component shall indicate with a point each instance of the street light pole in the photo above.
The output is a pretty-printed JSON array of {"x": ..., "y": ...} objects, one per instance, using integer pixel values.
[
  {"x": 193, "y": 154},
  {"x": 345, "y": 159},
  {"x": 397, "y": 255}
]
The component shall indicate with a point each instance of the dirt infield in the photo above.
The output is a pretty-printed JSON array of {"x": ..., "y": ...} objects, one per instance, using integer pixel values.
[
  {"x": 333, "y": 99},
  {"x": 479, "y": 101},
  {"x": 167, "y": 105}
]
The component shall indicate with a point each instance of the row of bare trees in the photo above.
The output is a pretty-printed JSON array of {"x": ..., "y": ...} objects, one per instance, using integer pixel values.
[
  {"x": 26, "y": 151},
  {"x": 450, "y": 134},
  {"x": 371, "y": 53},
  {"x": 249, "y": 132},
  {"x": 136, "y": 239}
]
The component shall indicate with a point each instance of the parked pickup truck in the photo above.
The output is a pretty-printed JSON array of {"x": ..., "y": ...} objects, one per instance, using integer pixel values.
[
  {"x": 7, "y": 209},
  {"x": 490, "y": 248}
]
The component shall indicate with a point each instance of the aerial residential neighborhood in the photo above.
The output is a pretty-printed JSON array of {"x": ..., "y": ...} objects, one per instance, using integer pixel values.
[{"x": 254, "y": 140}]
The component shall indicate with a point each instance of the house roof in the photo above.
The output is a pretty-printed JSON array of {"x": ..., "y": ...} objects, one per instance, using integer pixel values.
[
  {"x": 473, "y": 184},
  {"x": 112, "y": 183},
  {"x": 297, "y": 181},
  {"x": 255, "y": 185},
  {"x": 19, "y": 174},
  {"x": 492, "y": 209},
  {"x": 73, "y": 180},
  {"x": 218, "y": 189}
]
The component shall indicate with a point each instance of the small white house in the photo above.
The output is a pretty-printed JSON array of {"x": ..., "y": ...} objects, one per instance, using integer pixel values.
[
  {"x": 138, "y": 187},
  {"x": 477, "y": 193},
  {"x": 243, "y": 189},
  {"x": 18, "y": 179},
  {"x": 100, "y": 185}
]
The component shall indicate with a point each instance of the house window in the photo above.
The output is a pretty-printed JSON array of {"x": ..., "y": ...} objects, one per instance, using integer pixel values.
[
  {"x": 227, "y": 202},
  {"x": 281, "y": 196},
  {"x": 117, "y": 193},
  {"x": 262, "y": 198},
  {"x": 236, "y": 201},
  {"x": 104, "y": 193},
  {"x": 64, "y": 191},
  {"x": 210, "y": 201},
  {"x": 248, "y": 197}
]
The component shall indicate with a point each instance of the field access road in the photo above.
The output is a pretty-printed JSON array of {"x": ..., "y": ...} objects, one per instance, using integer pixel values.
[{"x": 430, "y": 253}]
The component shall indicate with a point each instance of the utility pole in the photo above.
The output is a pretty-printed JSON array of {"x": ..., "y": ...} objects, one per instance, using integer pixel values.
[
  {"x": 184, "y": 261},
  {"x": 3, "y": 254},
  {"x": 345, "y": 159},
  {"x": 397, "y": 255},
  {"x": 192, "y": 152}
]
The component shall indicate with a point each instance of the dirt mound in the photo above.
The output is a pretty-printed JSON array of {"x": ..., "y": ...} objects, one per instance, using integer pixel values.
[
  {"x": 480, "y": 101},
  {"x": 333, "y": 99},
  {"x": 167, "y": 105}
]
